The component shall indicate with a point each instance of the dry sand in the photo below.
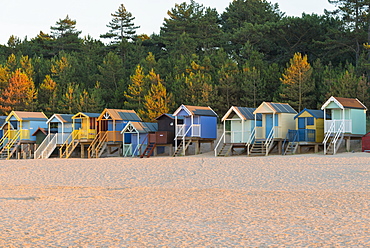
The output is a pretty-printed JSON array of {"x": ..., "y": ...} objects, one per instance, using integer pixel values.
[{"x": 196, "y": 201}]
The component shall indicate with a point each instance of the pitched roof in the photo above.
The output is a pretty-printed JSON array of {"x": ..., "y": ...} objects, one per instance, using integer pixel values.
[
  {"x": 276, "y": 108},
  {"x": 343, "y": 102},
  {"x": 317, "y": 113},
  {"x": 43, "y": 130},
  {"x": 28, "y": 116},
  {"x": 169, "y": 116},
  {"x": 65, "y": 118},
  {"x": 282, "y": 107},
  {"x": 142, "y": 127},
  {"x": 120, "y": 114},
  {"x": 90, "y": 115},
  {"x": 196, "y": 110},
  {"x": 243, "y": 112},
  {"x": 2, "y": 120}
]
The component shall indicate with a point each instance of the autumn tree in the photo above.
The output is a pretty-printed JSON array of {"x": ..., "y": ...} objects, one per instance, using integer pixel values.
[
  {"x": 48, "y": 97},
  {"x": 4, "y": 76},
  {"x": 197, "y": 85},
  {"x": 20, "y": 94},
  {"x": 158, "y": 101},
  {"x": 135, "y": 91},
  {"x": 297, "y": 83},
  {"x": 70, "y": 102}
]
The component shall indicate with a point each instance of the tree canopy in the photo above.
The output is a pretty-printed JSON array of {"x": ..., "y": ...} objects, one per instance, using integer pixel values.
[{"x": 250, "y": 53}]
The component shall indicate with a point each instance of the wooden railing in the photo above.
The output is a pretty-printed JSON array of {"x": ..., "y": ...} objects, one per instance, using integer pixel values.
[
  {"x": 334, "y": 126},
  {"x": 67, "y": 145}
]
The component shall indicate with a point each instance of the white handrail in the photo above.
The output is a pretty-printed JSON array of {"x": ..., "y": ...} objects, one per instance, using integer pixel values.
[
  {"x": 327, "y": 136},
  {"x": 218, "y": 143},
  {"x": 138, "y": 146},
  {"x": 50, "y": 147},
  {"x": 269, "y": 139},
  {"x": 127, "y": 150},
  {"x": 336, "y": 137},
  {"x": 43, "y": 145}
]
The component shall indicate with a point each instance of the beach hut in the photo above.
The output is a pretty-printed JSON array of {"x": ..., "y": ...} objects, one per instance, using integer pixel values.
[
  {"x": 167, "y": 125},
  {"x": 40, "y": 134},
  {"x": 17, "y": 140},
  {"x": 238, "y": 124},
  {"x": 85, "y": 128},
  {"x": 199, "y": 127},
  {"x": 2, "y": 122},
  {"x": 110, "y": 124},
  {"x": 309, "y": 131},
  {"x": 60, "y": 127},
  {"x": 348, "y": 122},
  {"x": 277, "y": 119},
  {"x": 139, "y": 139}
]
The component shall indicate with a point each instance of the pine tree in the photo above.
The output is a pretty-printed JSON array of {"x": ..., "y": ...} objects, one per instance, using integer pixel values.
[
  {"x": 64, "y": 27},
  {"x": 297, "y": 83},
  {"x": 121, "y": 27}
]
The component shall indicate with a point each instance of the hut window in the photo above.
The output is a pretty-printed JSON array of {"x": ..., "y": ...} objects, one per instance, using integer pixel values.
[{"x": 310, "y": 121}]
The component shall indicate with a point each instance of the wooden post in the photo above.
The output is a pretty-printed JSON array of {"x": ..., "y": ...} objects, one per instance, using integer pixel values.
[
  {"x": 316, "y": 148},
  {"x": 280, "y": 147},
  {"x": 348, "y": 144},
  {"x": 82, "y": 150},
  {"x": 197, "y": 147}
]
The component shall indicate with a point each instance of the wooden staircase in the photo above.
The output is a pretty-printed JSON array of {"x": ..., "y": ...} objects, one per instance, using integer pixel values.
[
  {"x": 333, "y": 146},
  {"x": 98, "y": 145},
  {"x": 257, "y": 148},
  {"x": 148, "y": 150},
  {"x": 291, "y": 148},
  {"x": 9, "y": 149},
  {"x": 225, "y": 150},
  {"x": 333, "y": 140},
  {"x": 9, "y": 146},
  {"x": 70, "y": 144},
  {"x": 180, "y": 148}
]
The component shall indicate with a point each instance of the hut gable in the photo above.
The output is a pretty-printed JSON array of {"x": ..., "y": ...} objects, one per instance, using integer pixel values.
[
  {"x": 243, "y": 113},
  {"x": 195, "y": 110},
  {"x": 316, "y": 113},
  {"x": 62, "y": 118},
  {"x": 276, "y": 108},
  {"x": 27, "y": 116},
  {"x": 140, "y": 127},
  {"x": 119, "y": 115},
  {"x": 343, "y": 103}
]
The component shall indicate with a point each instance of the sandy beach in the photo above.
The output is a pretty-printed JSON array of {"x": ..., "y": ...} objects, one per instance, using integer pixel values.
[{"x": 307, "y": 200}]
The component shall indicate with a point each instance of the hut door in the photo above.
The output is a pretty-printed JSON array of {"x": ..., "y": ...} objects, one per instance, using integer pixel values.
[
  {"x": 269, "y": 124},
  {"x": 301, "y": 128}
]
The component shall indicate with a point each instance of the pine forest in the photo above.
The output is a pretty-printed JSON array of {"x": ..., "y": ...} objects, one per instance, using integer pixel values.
[{"x": 250, "y": 53}]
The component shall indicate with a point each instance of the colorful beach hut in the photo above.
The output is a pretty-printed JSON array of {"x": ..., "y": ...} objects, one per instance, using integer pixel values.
[
  {"x": 277, "y": 119},
  {"x": 238, "y": 124},
  {"x": 199, "y": 127},
  {"x": 139, "y": 138},
  {"x": 348, "y": 121},
  {"x": 17, "y": 140},
  {"x": 110, "y": 124},
  {"x": 309, "y": 131},
  {"x": 60, "y": 127},
  {"x": 85, "y": 126}
]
